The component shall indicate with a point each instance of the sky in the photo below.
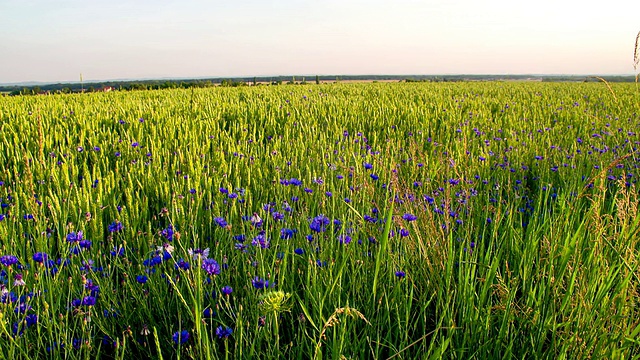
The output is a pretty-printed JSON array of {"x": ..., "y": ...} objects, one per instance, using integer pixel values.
[{"x": 56, "y": 41}]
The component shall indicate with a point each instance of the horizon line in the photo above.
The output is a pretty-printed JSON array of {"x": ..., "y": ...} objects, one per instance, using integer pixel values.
[{"x": 174, "y": 78}]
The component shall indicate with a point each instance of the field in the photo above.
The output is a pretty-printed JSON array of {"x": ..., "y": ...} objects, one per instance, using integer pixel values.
[{"x": 377, "y": 220}]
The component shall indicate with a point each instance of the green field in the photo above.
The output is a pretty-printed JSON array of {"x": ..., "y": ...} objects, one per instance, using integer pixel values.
[{"x": 404, "y": 220}]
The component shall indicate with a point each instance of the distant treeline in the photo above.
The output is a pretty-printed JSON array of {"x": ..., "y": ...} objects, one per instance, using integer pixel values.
[{"x": 126, "y": 85}]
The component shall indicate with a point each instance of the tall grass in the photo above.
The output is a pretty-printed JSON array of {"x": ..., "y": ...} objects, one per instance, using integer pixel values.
[{"x": 476, "y": 220}]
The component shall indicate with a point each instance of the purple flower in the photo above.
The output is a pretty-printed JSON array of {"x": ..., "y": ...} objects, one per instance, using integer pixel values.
[
  {"x": 18, "y": 281},
  {"x": 180, "y": 337},
  {"x": 211, "y": 267}
]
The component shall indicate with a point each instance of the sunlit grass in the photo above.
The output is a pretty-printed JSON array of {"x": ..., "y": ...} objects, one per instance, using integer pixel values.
[{"x": 462, "y": 220}]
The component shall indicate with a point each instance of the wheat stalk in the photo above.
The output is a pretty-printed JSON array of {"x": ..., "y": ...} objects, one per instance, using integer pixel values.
[
  {"x": 636, "y": 52},
  {"x": 608, "y": 86},
  {"x": 636, "y": 56}
]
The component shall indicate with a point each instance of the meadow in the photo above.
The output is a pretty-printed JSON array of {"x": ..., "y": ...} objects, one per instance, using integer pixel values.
[{"x": 404, "y": 220}]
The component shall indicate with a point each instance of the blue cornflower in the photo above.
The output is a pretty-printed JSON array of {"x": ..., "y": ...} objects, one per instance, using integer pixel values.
[
  {"x": 220, "y": 221},
  {"x": 299, "y": 251},
  {"x": 208, "y": 313},
  {"x": 409, "y": 217},
  {"x": 74, "y": 237},
  {"x": 295, "y": 182},
  {"x": 319, "y": 223},
  {"x": 115, "y": 226},
  {"x": 22, "y": 308},
  {"x": 344, "y": 239},
  {"x": 368, "y": 166},
  {"x": 8, "y": 260},
  {"x": 370, "y": 219},
  {"x": 89, "y": 301},
  {"x": 168, "y": 233},
  {"x": 400, "y": 274},
  {"x": 182, "y": 264},
  {"x": 287, "y": 233},
  {"x": 261, "y": 240},
  {"x": 40, "y": 257},
  {"x": 142, "y": 279},
  {"x": 259, "y": 283},
  {"x": 181, "y": 337},
  {"x": 223, "y": 332},
  {"x": 211, "y": 267},
  {"x": 227, "y": 290},
  {"x": 31, "y": 319},
  {"x": 374, "y": 177}
]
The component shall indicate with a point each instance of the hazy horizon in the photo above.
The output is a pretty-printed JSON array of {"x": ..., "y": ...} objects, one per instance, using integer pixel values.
[{"x": 50, "y": 42}]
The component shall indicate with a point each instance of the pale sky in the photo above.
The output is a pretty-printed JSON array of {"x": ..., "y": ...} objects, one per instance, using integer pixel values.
[{"x": 57, "y": 40}]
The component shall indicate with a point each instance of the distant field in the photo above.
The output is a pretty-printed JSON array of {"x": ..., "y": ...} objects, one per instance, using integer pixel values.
[{"x": 373, "y": 220}]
